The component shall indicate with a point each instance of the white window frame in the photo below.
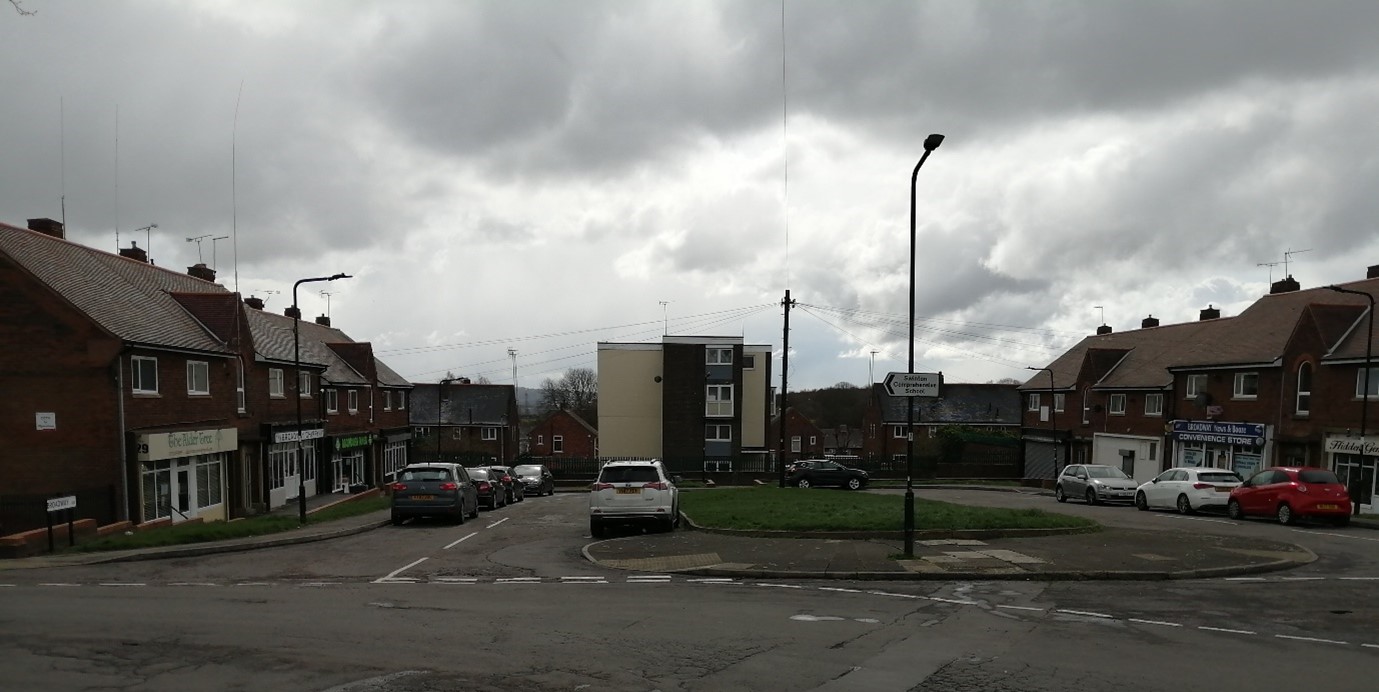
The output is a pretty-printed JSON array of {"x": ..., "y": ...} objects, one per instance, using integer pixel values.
[
  {"x": 304, "y": 384},
  {"x": 1241, "y": 382},
  {"x": 540, "y": 440},
  {"x": 1116, "y": 405},
  {"x": 897, "y": 432},
  {"x": 718, "y": 400},
  {"x": 198, "y": 370},
  {"x": 422, "y": 431},
  {"x": 813, "y": 440},
  {"x": 718, "y": 432},
  {"x": 241, "y": 402},
  {"x": 402, "y": 401},
  {"x": 1303, "y": 401},
  {"x": 1373, "y": 374},
  {"x": 1058, "y": 401},
  {"x": 717, "y": 355},
  {"x": 387, "y": 400},
  {"x": 490, "y": 434},
  {"x": 352, "y": 400},
  {"x": 1154, "y": 404},
  {"x": 275, "y": 383},
  {"x": 138, "y": 366},
  {"x": 557, "y": 444},
  {"x": 332, "y": 397},
  {"x": 1196, "y": 384},
  {"x": 1032, "y": 401},
  {"x": 795, "y": 444}
]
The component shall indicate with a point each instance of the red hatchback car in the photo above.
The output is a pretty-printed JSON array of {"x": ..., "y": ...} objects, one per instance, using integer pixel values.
[{"x": 1289, "y": 493}]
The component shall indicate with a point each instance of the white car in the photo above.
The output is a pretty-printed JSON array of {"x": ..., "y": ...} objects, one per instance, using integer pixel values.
[
  {"x": 633, "y": 492},
  {"x": 1188, "y": 489}
]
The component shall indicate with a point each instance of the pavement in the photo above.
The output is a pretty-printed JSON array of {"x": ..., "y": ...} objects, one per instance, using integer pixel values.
[{"x": 1109, "y": 554}]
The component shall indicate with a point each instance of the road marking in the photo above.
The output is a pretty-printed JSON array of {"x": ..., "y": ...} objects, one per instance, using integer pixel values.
[
  {"x": 780, "y": 586},
  {"x": 254, "y": 583},
  {"x": 1155, "y": 622},
  {"x": 319, "y": 584},
  {"x": 834, "y": 588},
  {"x": 897, "y": 595},
  {"x": 115, "y": 583},
  {"x": 949, "y": 600},
  {"x": 1370, "y": 646},
  {"x": 518, "y": 580},
  {"x": 649, "y": 579},
  {"x": 584, "y": 580},
  {"x": 1084, "y": 612},
  {"x": 58, "y": 584},
  {"x": 1312, "y": 639},
  {"x": 1359, "y": 578},
  {"x": 1246, "y": 579},
  {"x": 400, "y": 570},
  {"x": 1222, "y": 629},
  {"x": 498, "y": 522},
  {"x": 456, "y": 580},
  {"x": 459, "y": 541},
  {"x": 5, "y": 585},
  {"x": 711, "y": 580},
  {"x": 1338, "y": 535},
  {"x": 193, "y": 583},
  {"x": 1011, "y": 607}
]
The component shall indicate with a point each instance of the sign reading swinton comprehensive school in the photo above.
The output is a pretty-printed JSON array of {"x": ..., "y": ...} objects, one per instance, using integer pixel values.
[{"x": 1248, "y": 434}]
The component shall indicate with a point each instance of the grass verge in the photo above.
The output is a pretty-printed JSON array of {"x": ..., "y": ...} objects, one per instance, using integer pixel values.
[
  {"x": 792, "y": 509},
  {"x": 181, "y": 534}
]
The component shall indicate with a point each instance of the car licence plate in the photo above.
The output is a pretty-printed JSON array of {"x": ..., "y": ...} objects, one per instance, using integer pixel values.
[
  {"x": 423, "y": 497},
  {"x": 629, "y": 491},
  {"x": 1327, "y": 506}
]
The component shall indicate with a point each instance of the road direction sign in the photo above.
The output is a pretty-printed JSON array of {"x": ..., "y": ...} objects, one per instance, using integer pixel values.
[{"x": 913, "y": 383}]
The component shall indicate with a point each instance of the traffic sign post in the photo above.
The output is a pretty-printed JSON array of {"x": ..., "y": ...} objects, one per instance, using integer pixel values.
[
  {"x": 66, "y": 504},
  {"x": 911, "y": 385}
]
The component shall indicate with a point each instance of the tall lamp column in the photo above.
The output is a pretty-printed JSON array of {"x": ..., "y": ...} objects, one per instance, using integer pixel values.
[
  {"x": 1356, "y": 475},
  {"x": 930, "y": 144},
  {"x": 297, "y": 362}
]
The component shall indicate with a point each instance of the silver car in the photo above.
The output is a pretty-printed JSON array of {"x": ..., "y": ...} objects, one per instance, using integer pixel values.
[{"x": 1095, "y": 483}]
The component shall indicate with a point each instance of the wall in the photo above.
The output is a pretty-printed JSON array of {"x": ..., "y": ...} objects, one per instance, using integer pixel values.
[{"x": 630, "y": 401}]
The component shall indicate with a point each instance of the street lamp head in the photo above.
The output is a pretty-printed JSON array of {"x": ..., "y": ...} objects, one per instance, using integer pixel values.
[
  {"x": 340, "y": 276},
  {"x": 932, "y": 141}
]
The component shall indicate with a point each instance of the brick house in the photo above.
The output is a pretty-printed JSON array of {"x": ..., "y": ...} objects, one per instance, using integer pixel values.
[
  {"x": 844, "y": 441},
  {"x": 466, "y": 423},
  {"x": 563, "y": 434},
  {"x": 804, "y": 439}
]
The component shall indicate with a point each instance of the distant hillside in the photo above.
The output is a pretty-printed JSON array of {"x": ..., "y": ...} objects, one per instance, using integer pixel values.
[{"x": 831, "y": 407}]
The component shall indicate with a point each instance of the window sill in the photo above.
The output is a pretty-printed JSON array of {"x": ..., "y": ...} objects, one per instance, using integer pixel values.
[{"x": 147, "y": 395}]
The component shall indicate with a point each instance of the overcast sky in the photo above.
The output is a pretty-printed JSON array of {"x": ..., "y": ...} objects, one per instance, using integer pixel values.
[{"x": 542, "y": 176}]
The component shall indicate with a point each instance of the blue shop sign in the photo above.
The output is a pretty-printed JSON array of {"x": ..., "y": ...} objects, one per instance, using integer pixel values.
[{"x": 1248, "y": 434}]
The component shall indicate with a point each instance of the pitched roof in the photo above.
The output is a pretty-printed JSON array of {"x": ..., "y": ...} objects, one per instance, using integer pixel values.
[
  {"x": 1363, "y": 334},
  {"x": 1259, "y": 334},
  {"x": 958, "y": 403},
  {"x": 132, "y": 300},
  {"x": 273, "y": 342},
  {"x": 463, "y": 404}
]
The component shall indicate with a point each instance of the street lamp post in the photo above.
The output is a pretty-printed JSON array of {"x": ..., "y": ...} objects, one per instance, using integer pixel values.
[
  {"x": 1053, "y": 418},
  {"x": 440, "y": 391},
  {"x": 297, "y": 362},
  {"x": 1364, "y": 400},
  {"x": 930, "y": 144}
]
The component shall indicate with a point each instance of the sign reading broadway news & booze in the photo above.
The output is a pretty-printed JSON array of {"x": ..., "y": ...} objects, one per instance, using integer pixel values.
[{"x": 913, "y": 383}]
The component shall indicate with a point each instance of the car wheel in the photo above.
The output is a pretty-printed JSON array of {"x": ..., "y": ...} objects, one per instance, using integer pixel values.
[
  {"x": 1091, "y": 496},
  {"x": 460, "y": 515},
  {"x": 1185, "y": 505},
  {"x": 1141, "y": 503},
  {"x": 854, "y": 484},
  {"x": 1233, "y": 510},
  {"x": 802, "y": 483},
  {"x": 676, "y": 521},
  {"x": 1058, "y": 494},
  {"x": 475, "y": 514},
  {"x": 595, "y": 528},
  {"x": 1285, "y": 514}
]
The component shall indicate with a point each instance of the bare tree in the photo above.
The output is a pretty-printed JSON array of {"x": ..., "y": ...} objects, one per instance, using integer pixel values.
[
  {"x": 19, "y": 7},
  {"x": 576, "y": 391}
]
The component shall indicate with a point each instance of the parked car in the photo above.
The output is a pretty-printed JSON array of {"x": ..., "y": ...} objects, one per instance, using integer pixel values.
[
  {"x": 810, "y": 473},
  {"x": 1289, "y": 493},
  {"x": 431, "y": 490},
  {"x": 1095, "y": 483},
  {"x": 633, "y": 492},
  {"x": 1188, "y": 489},
  {"x": 516, "y": 491},
  {"x": 537, "y": 479},
  {"x": 491, "y": 492}
]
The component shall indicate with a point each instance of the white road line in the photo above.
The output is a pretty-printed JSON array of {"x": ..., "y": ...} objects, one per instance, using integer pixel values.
[
  {"x": 1311, "y": 639},
  {"x": 1222, "y": 629},
  {"x": 1359, "y": 578},
  {"x": 711, "y": 580},
  {"x": 949, "y": 600},
  {"x": 116, "y": 583},
  {"x": 456, "y": 580},
  {"x": 1370, "y": 646},
  {"x": 6, "y": 585},
  {"x": 575, "y": 579},
  {"x": 193, "y": 583},
  {"x": 1338, "y": 535},
  {"x": 1011, "y": 607},
  {"x": 1155, "y": 622},
  {"x": 400, "y": 570},
  {"x": 462, "y": 540},
  {"x": 897, "y": 595},
  {"x": 254, "y": 583},
  {"x": 1245, "y": 579},
  {"x": 779, "y": 586},
  {"x": 58, "y": 584},
  {"x": 1084, "y": 612},
  {"x": 833, "y": 588},
  {"x": 498, "y": 522},
  {"x": 649, "y": 580},
  {"x": 518, "y": 580}
]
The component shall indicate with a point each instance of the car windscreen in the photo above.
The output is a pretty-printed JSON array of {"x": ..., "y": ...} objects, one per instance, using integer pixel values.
[
  {"x": 1317, "y": 476},
  {"x": 1218, "y": 477},
  {"x": 1105, "y": 472},
  {"x": 628, "y": 474},
  {"x": 426, "y": 474},
  {"x": 528, "y": 470},
  {"x": 478, "y": 474}
]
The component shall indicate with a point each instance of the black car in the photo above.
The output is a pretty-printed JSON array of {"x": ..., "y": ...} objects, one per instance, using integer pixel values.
[
  {"x": 811, "y": 473},
  {"x": 492, "y": 494},
  {"x": 537, "y": 478},
  {"x": 516, "y": 490}
]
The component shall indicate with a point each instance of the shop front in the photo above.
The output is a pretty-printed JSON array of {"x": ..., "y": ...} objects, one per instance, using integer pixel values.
[
  {"x": 182, "y": 474},
  {"x": 349, "y": 461},
  {"x": 292, "y": 464},
  {"x": 1354, "y": 460},
  {"x": 1240, "y": 447},
  {"x": 395, "y": 445}
]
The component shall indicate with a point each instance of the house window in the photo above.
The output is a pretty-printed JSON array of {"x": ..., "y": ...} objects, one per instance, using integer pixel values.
[
  {"x": 387, "y": 400},
  {"x": 898, "y": 432},
  {"x": 557, "y": 443},
  {"x": 143, "y": 374},
  {"x": 457, "y": 434},
  {"x": 749, "y": 361},
  {"x": 1058, "y": 401},
  {"x": 422, "y": 431},
  {"x": 332, "y": 400},
  {"x": 239, "y": 387},
  {"x": 718, "y": 400},
  {"x": 1246, "y": 385},
  {"x": 540, "y": 440},
  {"x": 1033, "y": 402},
  {"x": 198, "y": 377},
  {"x": 718, "y": 356},
  {"x": 1117, "y": 406},
  {"x": 1373, "y": 385},
  {"x": 1304, "y": 404},
  {"x": 795, "y": 443},
  {"x": 1153, "y": 405},
  {"x": 718, "y": 432},
  {"x": 275, "y": 383},
  {"x": 491, "y": 434},
  {"x": 813, "y": 440},
  {"x": 933, "y": 431},
  {"x": 402, "y": 401},
  {"x": 352, "y": 400},
  {"x": 1196, "y": 384},
  {"x": 304, "y": 385}
]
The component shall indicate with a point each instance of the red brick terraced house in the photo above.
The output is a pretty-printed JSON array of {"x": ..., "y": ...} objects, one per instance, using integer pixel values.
[
  {"x": 803, "y": 439},
  {"x": 563, "y": 435}
]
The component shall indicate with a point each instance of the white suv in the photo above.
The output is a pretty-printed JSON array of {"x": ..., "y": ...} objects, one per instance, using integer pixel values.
[{"x": 633, "y": 491}]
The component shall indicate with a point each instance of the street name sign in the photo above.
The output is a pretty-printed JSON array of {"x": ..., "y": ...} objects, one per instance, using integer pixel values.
[
  {"x": 58, "y": 504},
  {"x": 913, "y": 383}
]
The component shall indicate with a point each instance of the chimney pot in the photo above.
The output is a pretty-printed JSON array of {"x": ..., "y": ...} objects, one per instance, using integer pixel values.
[
  {"x": 1287, "y": 285},
  {"x": 48, "y": 227},
  {"x": 323, "y": 320},
  {"x": 201, "y": 271},
  {"x": 1103, "y": 329},
  {"x": 293, "y": 311},
  {"x": 1373, "y": 272},
  {"x": 1209, "y": 313},
  {"x": 254, "y": 302},
  {"x": 135, "y": 253},
  {"x": 1150, "y": 321}
]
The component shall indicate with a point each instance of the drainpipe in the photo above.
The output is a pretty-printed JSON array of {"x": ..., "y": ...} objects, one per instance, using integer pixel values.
[{"x": 120, "y": 434}]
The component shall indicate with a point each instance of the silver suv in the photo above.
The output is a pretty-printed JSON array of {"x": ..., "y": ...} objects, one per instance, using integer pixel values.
[{"x": 633, "y": 492}]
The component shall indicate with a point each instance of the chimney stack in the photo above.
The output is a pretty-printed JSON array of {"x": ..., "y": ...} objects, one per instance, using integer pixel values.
[
  {"x": 254, "y": 302},
  {"x": 1209, "y": 313},
  {"x": 202, "y": 272},
  {"x": 323, "y": 320},
  {"x": 1150, "y": 321},
  {"x": 294, "y": 312},
  {"x": 1373, "y": 272},
  {"x": 1103, "y": 329},
  {"x": 48, "y": 227},
  {"x": 1287, "y": 285},
  {"x": 134, "y": 252}
]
